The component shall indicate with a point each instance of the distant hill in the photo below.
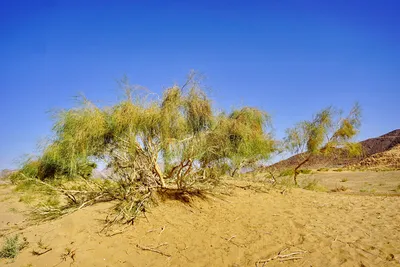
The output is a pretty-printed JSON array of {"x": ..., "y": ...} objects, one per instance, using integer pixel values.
[
  {"x": 370, "y": 147},
  {"x": 386, "y": 160},
  {"x": 4, "y": 174},
  {"x": 381, "y": 144}
]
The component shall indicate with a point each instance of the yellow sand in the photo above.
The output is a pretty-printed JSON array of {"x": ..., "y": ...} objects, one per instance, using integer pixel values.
[{"x": 239, "y": 229}]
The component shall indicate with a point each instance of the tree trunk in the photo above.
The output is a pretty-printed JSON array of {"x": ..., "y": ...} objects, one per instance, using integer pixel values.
[
  {"x": 272, "y": 176},
  {"x": 234, "y": 172},
  {"x": 159, "y": 173},
  {"x": 296, "y": 170},
  {"x": 238, "y": 168}
]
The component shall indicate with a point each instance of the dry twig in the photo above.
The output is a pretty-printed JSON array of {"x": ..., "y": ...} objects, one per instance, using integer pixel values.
[
  {"x": 37, "y": 253},
  {"x": 154, "y": 249},
  {"x": 282, "y": 257}
]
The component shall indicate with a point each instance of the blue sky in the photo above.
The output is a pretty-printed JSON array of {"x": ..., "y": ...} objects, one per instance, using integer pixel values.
[{"x": 290, "y": 58}]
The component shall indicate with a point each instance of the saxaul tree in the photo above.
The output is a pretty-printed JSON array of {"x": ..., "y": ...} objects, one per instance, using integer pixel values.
[
  {"x": 150, "y": 142},
  {"x": 327, "y": 133},
  {"x": 176, "y": 138}
]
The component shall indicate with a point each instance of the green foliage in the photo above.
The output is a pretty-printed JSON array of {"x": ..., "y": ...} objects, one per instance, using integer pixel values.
[
  {"x": 27, "y": 199},
  {"x": 305, "y": 171},
  {"x": 30, "y": 168},
  {"x": 240, "y": 138},
  {"x": 79, "y": 133},
  {"x": 11, "y": 247}
]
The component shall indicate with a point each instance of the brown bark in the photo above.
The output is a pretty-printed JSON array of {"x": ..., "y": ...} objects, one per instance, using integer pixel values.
[
  {"x": 159, "y": 174},
  {"x": 296, "y": 170}
]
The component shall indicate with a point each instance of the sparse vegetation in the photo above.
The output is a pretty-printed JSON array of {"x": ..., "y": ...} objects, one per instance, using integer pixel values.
[
  {"x": 368, "y": 190},
  {"x": 290, "y": 172},
  {"x": 344, "y": 180},
  {"x": 284, "y": 182},
  {"x": 12, "y": 247},
  {"x": 12, "y": 209},
  {"x": 27, "y": 198},
  {"x": 314, "y": 185}
]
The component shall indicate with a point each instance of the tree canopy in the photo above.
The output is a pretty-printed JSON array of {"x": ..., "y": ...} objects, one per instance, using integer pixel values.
[{"x": 177, "y": 138}]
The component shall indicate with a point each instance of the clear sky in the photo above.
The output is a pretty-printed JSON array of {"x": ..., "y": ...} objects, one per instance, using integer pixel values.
[{"x": 290, "y": 58}]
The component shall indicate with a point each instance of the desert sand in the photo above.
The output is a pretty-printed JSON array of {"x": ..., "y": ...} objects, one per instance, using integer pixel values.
[{"x": 243, "y": 224}]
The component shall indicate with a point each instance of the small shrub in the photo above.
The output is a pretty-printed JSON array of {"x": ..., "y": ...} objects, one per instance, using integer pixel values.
[
  {"x": 12, "y": 209},
  {"x": 338, "y": 170},
  {"x": 305, "y": 171},
  {"x": 314, "y": 185},
  {"x": 344, "y": 180},
  {"x": 322, "y": 170},
  {"x": 12, "y": 247},
  {"x": 285, "y": 182},
  {"x": 290, "y": 172}
]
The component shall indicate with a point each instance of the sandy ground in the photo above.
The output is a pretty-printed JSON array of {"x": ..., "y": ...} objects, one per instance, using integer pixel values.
[
  {"x": 238, "y": 228},
  {"x": 366, "y": 182}
]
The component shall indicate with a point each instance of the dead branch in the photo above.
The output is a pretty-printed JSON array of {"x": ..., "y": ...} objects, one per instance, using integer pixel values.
[
  {"x": 283, "y": 257},
  {"x": 37, "y": 253},
  {"x": 154, "y": 249},
  {"x": 229, "y": 239}
]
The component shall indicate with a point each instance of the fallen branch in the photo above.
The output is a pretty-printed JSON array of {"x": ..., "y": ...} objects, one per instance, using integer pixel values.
[
  {"x": 36, "y": 253},
  {"x": 283, "y": 257},
  {"x": 229, "y": 239},
  {"x": 154, "y": 249}
]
